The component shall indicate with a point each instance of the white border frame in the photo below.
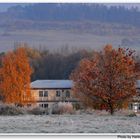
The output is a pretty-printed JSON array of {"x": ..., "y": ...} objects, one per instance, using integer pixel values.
[{"x": 71, "y": 1}]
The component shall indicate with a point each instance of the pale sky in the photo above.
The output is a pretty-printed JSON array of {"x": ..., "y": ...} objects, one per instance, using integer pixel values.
[{"x": 5, "y": 6}]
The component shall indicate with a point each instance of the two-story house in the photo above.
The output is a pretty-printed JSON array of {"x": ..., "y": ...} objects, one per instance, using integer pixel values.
[{"x": 48, "y": 92}]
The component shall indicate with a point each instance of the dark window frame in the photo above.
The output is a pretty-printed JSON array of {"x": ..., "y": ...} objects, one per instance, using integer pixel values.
[
  {"x": 58, "y": 93},
  {"x": 67, "y": 93},
  {"x": 46, "y": 105},
  {"x": 45, "y": 93},
  {"x": 40, "y": 93}
]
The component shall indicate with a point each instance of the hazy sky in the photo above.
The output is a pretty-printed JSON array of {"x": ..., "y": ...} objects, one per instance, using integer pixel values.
[{"x": 5, "y": 6}]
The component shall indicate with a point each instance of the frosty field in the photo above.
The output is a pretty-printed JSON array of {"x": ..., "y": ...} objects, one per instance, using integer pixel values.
[{"x": 85, "y": 123}]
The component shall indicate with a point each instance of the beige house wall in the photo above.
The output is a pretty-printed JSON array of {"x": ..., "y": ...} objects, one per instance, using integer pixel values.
[{"x": 52, "y": 98}]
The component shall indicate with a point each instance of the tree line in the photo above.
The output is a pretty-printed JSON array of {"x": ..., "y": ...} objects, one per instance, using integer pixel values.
[
  {"x": 75, "y": 12},
  {"x": 54, "y": 65}
]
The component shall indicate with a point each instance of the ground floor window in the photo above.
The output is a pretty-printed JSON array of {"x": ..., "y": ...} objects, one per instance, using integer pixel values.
[
  {"x": 130, "y": 106},
  {"x": 138, "y": 106},
  {"x": 134, "y": 106},
  {"x": 40, "y": 105},
  {"x": 43, "y": 105}
]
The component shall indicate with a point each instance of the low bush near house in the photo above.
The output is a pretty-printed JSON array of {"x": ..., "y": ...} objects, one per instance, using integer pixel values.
[
  {"x": 63, "y": 108},
  {"x": 132, "y": 115},
  {"x": 14, "y": 110},
  {"x": 126, "y": 112},
  {"x": 11, "y": 110},
  {"x": 101, "y": 112},
  {"x": 37, "y": 111}
]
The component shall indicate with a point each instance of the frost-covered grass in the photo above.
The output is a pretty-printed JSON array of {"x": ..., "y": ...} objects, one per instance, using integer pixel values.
[{"x": 78, "y": 123}]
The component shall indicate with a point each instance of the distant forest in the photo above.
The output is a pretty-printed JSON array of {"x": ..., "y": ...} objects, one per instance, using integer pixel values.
[
  {"x": 56, "y": 65},
  {"x": 75, "y": 12},
  {"x": 59, "y": 64}
]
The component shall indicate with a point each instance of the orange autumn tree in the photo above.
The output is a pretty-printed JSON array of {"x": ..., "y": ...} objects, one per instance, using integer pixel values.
[
  {"x": 15, "y": 77},
  {"x": 107, "y": 80}
]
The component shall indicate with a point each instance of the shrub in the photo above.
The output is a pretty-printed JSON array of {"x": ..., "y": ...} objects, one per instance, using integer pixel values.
[
  {"x": 11, "y": 110},
  {"x": 37, "y": 111},
  {"x": 77, "y": 106},
  {"x": 126, "y": 112},
  {"x": 132, "y": 115},
  {"x": 62, "y": 108},
  {"x": 101, "y": 112}
]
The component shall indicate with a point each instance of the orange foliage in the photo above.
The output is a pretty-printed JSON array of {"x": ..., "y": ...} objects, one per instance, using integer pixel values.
[
  {"x": 106, "y": 81},
  {"x": 15, "y": 77}
]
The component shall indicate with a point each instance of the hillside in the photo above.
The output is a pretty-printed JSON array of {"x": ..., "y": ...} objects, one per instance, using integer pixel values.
[
  {"x": 75, "y": 25},
  {"x": 75, "y": 12}
]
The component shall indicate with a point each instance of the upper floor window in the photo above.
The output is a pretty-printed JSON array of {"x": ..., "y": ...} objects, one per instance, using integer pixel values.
[
  {"x": 67, "y": 93},
  {"x": 45, "y": 93},
  {"x": 58, "y": 93},
  {"x": 40, "y": 93}
]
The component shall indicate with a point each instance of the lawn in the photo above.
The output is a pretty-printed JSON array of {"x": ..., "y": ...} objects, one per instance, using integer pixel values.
[{"x": 82, "y": 123}]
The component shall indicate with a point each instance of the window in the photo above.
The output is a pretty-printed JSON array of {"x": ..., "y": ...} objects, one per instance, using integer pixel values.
[
  {"x": 139, "y": 107},
  {"x": 45, "y": 93},
  {"x": 40, "y": 105},
  {"x": 58, "y": 93},
  {"x": 40, "y": 93},
  {"x": 131, "y": 106},
  {"x": 67, "y": 93},
  {"x": 45, "y": 105}
]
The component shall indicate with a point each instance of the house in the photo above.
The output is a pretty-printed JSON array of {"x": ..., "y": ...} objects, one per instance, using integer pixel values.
[
  {"x": 49, "y": 92},
  {"x": 135, "y": 104}
]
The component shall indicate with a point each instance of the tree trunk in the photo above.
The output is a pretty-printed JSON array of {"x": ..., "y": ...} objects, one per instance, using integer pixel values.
[{"x": 111, "y": 109}]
